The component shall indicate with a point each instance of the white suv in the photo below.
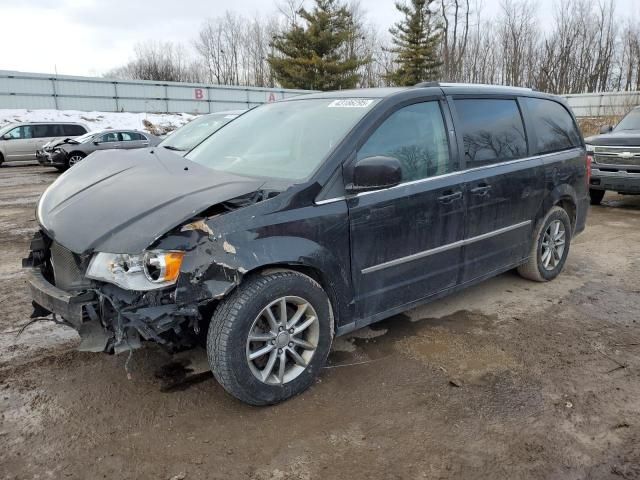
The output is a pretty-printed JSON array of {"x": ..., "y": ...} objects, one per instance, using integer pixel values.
[{"x": 20, "y": 141}]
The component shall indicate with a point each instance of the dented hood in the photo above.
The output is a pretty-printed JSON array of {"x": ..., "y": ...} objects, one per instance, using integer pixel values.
[{"x": 120, "y": 202}]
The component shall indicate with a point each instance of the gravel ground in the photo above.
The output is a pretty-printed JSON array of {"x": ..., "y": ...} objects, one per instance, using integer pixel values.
[{"x": 509, "y": 379}]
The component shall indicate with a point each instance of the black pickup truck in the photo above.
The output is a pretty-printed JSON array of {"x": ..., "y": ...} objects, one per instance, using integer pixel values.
[{"x": 615, "y": 156}]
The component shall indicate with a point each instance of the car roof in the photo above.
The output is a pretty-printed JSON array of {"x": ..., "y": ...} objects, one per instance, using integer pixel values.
[
  {"x": 19, "y": 124},
  {"x": 446, "y": 88},
  {"x": 227, "y": 112}
]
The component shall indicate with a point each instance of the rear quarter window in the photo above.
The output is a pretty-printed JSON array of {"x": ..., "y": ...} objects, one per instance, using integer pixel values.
[
  {"x": 492, "y": 130},
  {"x": 553, "y": 125},
  {"x": 73, "y": 130}
]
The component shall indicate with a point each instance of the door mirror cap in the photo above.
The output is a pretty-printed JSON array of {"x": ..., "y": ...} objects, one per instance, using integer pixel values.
[
  {"x": 6, "y": 136},
  {"x": 374, "y": 173},
  {"x": 605, "y": 129},
  {"x": 96, "y": 142}
]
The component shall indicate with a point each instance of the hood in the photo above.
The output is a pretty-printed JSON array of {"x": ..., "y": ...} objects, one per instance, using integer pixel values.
[
  {"x": 122, "y": 201},
  {"x": 623, "y": 138},
  {"x": 58, "y": 141}
]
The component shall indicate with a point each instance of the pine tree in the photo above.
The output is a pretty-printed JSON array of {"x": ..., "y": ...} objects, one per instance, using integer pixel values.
[
  {"x": 314, "y": 56},
  {"x": 416, "y": 38}
]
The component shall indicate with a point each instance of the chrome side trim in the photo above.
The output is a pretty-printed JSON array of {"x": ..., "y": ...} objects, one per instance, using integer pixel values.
[
  {"x": 443, "y": 248},
  {"x": 330, "y": 200},
  {"x": 444, "y": 175}
]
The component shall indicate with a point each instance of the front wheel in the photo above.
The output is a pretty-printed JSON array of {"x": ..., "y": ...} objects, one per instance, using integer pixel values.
[
  {"x": 271, "y": 337},
  {"x": 74, "y": 158},
  {"x": 550, "y": 247},
  {"x": 596, "y": 196}
]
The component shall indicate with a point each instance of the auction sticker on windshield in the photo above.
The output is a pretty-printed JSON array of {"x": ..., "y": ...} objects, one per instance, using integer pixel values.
[{"x": 351, "y": 103}]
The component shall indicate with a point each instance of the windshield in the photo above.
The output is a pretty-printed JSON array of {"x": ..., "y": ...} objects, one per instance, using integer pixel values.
[
  {"x": 6, "y": 128},
  {"x": 630, "y": 122},
  {"x": 195, "y": 131},
  {"x": 286, "y": 140}
]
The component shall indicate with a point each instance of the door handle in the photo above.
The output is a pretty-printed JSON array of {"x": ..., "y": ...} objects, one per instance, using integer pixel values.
[
  {"x": 450, "y": 197},
  {"x": 481, "y": 190}
]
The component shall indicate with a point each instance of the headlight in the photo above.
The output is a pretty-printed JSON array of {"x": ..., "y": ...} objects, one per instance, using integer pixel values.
[{"x": 148, "y": 271}]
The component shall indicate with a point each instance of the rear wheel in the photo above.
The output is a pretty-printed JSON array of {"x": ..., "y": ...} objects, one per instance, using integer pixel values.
[
  {"x": 550, "y": 247},
  {"x": 1, "y": 159},
  {"x": 596, "y": 196},
  {"x": 271, "y": 337},
  {"x": 74, "y": 158}
]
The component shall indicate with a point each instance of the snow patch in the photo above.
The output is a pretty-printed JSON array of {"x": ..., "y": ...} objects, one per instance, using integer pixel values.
[{"x": 155, "y": 123}]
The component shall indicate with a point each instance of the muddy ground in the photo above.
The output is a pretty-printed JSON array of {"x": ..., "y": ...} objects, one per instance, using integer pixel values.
[{"x": 510, "y": 379}]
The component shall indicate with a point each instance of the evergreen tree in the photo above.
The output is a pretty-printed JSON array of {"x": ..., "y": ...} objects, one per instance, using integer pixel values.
[
  {"x": 315, "y": 56},
  {"x": 416, "y": 39}
]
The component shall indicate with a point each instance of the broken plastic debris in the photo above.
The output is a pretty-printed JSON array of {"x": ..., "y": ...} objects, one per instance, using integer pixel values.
[{"x": 198, "y": 225}]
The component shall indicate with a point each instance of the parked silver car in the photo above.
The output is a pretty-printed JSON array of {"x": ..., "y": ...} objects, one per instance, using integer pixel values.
[
  {"x": 194, "y": 132},
  {"x": 65, "y": 153},
  {"x": 21, "y": 141}
]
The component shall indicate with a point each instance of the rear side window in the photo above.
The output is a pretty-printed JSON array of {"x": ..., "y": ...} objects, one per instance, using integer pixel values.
[
  {"x": 492, "y": 131},
  {"x": 416, "y": 136},
  {"x": 73, "y": 130},
  {"x": 554, "y": 127},
  {"x": 131, "y": 136}
]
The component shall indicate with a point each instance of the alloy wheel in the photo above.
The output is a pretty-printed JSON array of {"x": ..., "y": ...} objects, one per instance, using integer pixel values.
[
  {"x": 282, "y": 340},
  {"x": 74, "y": 159},
  {"x": 553, "y": 242}
]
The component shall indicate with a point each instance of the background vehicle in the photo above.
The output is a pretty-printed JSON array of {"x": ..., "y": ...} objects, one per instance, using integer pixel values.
[
  {"x": 307, "y": 218},
  {"x": 616, "y": 158},
  {"x": 66, "y": 153},
  {"x": 194, "y": 132},
  {"x": 21, "y": 141}
]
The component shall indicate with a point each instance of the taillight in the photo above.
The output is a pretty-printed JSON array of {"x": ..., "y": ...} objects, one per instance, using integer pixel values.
[{"x": 589, "y": 159}]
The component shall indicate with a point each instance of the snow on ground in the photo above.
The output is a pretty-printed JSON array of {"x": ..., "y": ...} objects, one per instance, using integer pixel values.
[{"x": 156, "y": 123}]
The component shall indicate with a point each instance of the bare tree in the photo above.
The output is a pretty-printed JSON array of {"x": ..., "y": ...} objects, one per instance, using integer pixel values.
[{"x": 163, "y": 61}]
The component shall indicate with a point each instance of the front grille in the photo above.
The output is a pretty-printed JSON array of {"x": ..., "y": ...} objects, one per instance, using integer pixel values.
[
  {"x": 68, "y": 269},
  {"x": 617, "y": 155}
]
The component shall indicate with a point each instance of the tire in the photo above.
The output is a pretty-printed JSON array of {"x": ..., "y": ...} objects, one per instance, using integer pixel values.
[
  {"x": 596, "y": 196},
  {"x": 539, "y": 266},
  {"x": 244, "y": 312},
  {"x": 73, "y": 158},
  {"x": 1, "y": 159}
]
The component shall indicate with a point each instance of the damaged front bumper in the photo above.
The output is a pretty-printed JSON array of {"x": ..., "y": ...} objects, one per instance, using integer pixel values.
[
  {"x": 73, "y": 308},
  {"x": 109, "y": 318}
]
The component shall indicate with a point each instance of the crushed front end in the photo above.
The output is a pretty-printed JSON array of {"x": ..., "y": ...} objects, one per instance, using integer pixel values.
[{"x": 108, "y": 318}]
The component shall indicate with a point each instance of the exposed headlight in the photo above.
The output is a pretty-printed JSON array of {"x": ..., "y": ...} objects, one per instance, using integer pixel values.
[{"x": 148, "y": 271}]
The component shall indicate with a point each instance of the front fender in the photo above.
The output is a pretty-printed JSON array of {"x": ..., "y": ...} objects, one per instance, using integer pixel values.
[{"x": 216, "y": 262}]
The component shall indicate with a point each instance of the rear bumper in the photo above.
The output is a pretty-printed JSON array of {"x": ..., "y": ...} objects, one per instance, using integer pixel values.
[
  {"x": 582, "y": 211},
  {"x": 619, "y": 180},
  {"x": 68, "y": 306}
]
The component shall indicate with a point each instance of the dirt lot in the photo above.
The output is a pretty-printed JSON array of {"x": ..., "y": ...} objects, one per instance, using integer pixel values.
[{"x": 510, "y": 379}]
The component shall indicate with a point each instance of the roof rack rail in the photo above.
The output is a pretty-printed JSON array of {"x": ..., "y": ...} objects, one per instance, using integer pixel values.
[
  {"x": 427, "y": 84},
  {"x": 461, "y": 84}
]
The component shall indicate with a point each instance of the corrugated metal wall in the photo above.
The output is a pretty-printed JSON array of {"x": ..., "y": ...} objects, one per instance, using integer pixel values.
[
  {"x": 602, "y": 104},
  {"x": 63, "y": 92}
]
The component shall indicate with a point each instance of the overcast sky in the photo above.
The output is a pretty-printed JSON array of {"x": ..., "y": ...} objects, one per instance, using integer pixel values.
[{"x": 89, "y": 37}]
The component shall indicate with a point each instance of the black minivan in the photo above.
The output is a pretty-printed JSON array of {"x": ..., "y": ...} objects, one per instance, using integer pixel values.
[{"x": 309, "y": 218}]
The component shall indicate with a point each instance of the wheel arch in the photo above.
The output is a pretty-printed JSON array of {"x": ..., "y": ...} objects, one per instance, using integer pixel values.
[
  {"x": 563, "y": 196},
  {"x": 312, "y": 272}
]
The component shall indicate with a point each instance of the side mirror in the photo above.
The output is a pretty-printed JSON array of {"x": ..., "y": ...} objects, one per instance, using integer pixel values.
[
  {"x": 96, "y": 142},
  {"x": 605, "y": 129},
  {"x": 373, "y": 173},
  {"x": 6, "y": 136}
]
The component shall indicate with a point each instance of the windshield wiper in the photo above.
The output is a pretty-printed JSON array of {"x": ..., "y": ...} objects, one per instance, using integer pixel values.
[{"x": 176, "y": 149}]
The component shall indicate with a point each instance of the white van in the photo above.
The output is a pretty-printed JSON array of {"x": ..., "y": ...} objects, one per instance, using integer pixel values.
[{"x": 20, "y": 141}]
